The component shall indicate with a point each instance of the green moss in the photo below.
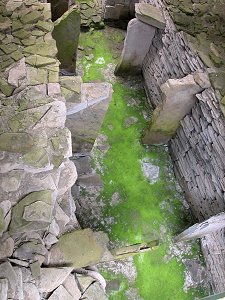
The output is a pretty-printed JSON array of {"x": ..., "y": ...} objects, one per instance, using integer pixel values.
[{"x": 144, "y": 208}]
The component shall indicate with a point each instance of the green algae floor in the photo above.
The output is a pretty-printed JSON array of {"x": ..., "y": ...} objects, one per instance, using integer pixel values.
[{"x": 146, "y": 211}]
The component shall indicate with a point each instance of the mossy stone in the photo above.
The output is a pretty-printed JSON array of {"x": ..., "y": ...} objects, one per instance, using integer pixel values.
[
  {"x": 16, "y": 142},
  {"x": 8, "y": 48},
  {"x": 39, "y": 61},
  {"x": 21, "y": 34},
  {"x": 31, "y": 17},
  {"x": 47, "y": 49},
  {"x": 20, "y": 225},
  {"x": 5, "y": 87},
  {"x": 38, "y": 158},
  {"x": 45, "y": 26},
  {"x": 17, "y": 55}
]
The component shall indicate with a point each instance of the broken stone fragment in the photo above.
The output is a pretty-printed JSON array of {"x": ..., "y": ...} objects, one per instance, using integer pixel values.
[
  {"x": 3, "y": 289},
  {"x": 30, "y": 291},
  {"x": 179, "y": 96},
  {"x": 6, "y": 247},
  {"x": 17, "y": 73},
  {"x": 88, "y": 250},
  {"x": 7, "y": 272},
  {"x": 149, "y": 14},
  {"x": 33, "y": 206},
  {"x": 68, "y": 177},
  {"x": 51, "y": 278}
]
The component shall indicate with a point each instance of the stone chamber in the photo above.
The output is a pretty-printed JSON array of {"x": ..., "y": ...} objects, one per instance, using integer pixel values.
[{"x": 112, "y": 149}]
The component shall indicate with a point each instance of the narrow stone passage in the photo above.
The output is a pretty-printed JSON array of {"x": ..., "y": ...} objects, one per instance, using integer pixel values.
[{"x": 136, "y": 198}]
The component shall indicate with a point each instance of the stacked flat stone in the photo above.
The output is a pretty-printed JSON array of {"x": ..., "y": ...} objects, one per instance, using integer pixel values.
[
  {"x": 36, "y": 174},
  {"x": 198, "y": 147},
  {"x": 119, "y": 9},
  {"x": 91, "y": 13}
]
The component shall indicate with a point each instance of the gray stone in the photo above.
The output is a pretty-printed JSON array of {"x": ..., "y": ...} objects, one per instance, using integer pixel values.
[
  {"x": 61, "y": 293},
  {"x": 19, "y": 224},
  {"x": 3, "y": 289},
  {"x": 136, "y": 45},
  {"x": 6, "y": 271},
  {"x": 30, "y": 291},
  {"x": 28, "y": 250},
  {"x": 71, "y": 286},
  {"x": 17, "y": 73},
  {"x": 150, "y": 171},
  {"x": 90, "y": 180},
  {"x": 16, "y": 142},
  {"x": 130, "y": 121},
  {"x": 95, "y": 292},
  {"x": 149, "y": 14},
  {"x": 51, "y": 278},
  {"x": 38, "y": 211},
  {"x": 83, "y": 165},
  {"x": 66, "y": 33},
  {"x": 68, "y": 177},
  {"x": 6, "y": 247},
  {"x": 85, "y": 119},
  {"x": 179, "y": 96}
]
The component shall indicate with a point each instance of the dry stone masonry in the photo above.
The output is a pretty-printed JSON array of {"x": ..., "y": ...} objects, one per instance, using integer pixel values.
[
  {"x": 198, "y": 147},
  {"x": 119, "y": 9},
  {"x": 36, "y": 206}
]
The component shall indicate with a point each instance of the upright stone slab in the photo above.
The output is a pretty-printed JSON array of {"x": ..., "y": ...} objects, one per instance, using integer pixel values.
[
  {"x": 136, "y": 45},
  {"x": 66, "y": 33},
  {"x": 179, "y": 96},
  {"x": 85, "y": 118}
]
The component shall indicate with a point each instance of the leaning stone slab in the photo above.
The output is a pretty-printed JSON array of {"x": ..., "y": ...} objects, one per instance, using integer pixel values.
[
  {"x": 85, "y": 119},
  {"x": 28, "y": 215},
  {"x": 179, "y": 96},
  {"x": 80, "y": 248},
  {"x": 196, "y": 231},
  {"x": 149, "y": 14},
  {"x": 136, "y": 46},
  {"x": 66, "y": 33}
]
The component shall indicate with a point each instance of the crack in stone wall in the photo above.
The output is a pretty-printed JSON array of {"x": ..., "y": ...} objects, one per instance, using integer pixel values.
[{"x": 198, "y": 147}]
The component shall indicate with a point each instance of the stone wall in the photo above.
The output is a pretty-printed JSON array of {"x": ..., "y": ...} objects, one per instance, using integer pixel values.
[
  {"x": 119, "y": 9},
  {"x": 35, "y": 171},
  {"x": 198, "y": 147}
]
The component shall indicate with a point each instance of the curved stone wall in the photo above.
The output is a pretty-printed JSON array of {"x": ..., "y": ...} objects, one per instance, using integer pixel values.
[{"x": 198, "y": 147}]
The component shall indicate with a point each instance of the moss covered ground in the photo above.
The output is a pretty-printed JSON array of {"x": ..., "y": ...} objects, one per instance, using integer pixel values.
[{"x": 145, "y": 211}]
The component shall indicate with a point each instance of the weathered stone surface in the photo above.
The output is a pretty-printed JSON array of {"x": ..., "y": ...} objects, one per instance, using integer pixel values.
[
  {"x": 87, "y": 250},
  {"x": 16, "y": 142},
  {"x": 29, "y": 250},
  {"x": 150, "y": 171},
  {"x": 30, "y": 291},
  {"x": 51, "y": 278},
  {"x": 19, "y": 224},
  {"x": 92, "y": 179},
  {"x": 71, "y": 286},
  {"x": 95, "y": 292},
  {"x": 149, "y": 14},
  {"x": 179, "y": 98},
  {"x": 66, "y": 33},
  {"x": 6, "y": 271},
  {"x": 61, "y": 293},
  {"x": 71, "y": 89},
  {"x": 46, "y": 49},
  {"x": 68, "y": 177},
  {"x": 3, "y": 288},
  {"x": 6, "y": 247},
  {"x": 136, "y": 45},
  {"x": 85, "y": 119}
]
